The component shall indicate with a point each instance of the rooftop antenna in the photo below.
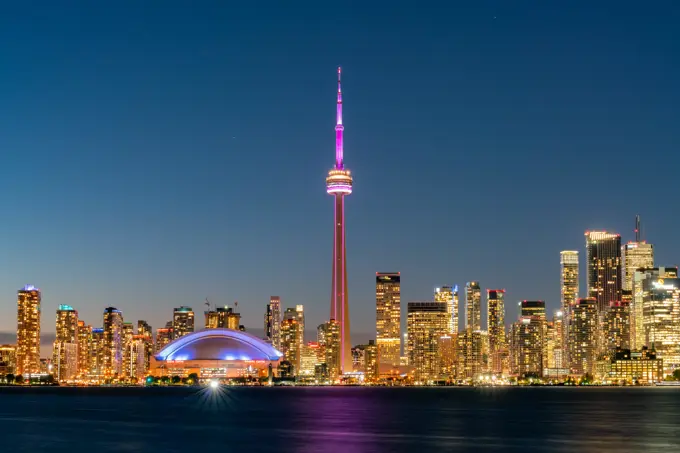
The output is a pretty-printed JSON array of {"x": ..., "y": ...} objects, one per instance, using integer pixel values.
[{"x": 637, "y": 228}]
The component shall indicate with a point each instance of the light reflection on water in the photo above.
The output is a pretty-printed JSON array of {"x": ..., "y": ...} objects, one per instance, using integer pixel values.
[{"x": 334, "y": 420}]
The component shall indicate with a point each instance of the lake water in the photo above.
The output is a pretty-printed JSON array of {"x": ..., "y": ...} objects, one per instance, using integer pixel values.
[{"x": 350, "y": 419}]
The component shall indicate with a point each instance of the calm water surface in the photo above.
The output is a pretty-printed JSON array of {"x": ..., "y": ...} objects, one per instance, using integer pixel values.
[{"x": 331, "y": 420}]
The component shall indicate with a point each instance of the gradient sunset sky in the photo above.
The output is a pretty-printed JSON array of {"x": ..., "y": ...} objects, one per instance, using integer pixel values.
[{"x": 153, "y": 154}]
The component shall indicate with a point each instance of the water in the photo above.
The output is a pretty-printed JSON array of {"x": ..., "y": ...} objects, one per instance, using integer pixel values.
[{"x": 350, "y": 419}]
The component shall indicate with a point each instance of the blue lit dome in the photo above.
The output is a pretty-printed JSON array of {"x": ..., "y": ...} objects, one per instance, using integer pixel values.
[{"x": 218, "y": 344}]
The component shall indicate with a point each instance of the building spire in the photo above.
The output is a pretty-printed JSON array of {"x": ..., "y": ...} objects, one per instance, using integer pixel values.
[
  {"x": 338, "y": 127},
  {"x": 637, "y": 228}
]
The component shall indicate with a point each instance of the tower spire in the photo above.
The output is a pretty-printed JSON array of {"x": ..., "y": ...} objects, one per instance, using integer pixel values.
[
  {"x": 637, "y": 228},
  {"x": 338, "y": 127}
]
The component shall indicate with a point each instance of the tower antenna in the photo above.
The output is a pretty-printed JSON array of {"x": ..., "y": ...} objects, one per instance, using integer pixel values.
[
  {"x": 637, "y": 228},
  {"x": 338, "y": 126}
]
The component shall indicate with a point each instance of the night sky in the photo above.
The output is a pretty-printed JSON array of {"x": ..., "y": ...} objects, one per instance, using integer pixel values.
[{"x": 154, "y": 154}]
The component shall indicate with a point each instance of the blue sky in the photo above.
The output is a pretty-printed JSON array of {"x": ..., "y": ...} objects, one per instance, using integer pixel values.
[{"x": 154, "y": 155}]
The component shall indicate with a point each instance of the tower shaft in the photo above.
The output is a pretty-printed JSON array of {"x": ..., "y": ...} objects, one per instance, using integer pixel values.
[{"x": 339, "y": 300}]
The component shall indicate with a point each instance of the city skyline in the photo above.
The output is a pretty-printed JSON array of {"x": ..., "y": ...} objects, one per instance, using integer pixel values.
[{"x": 205, "y": 180}]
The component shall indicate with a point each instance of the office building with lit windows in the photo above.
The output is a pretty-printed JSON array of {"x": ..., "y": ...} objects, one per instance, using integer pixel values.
[
  {"x": 604, "y": 276},
  {"x": 182, "y": 321},
  {"x": 449, "y": 296},
  {"x": 631, "y": 367},
  {"x": 97, "y": 351},
  {"x": 582, "y": 341},
  {"x": 617, "y": 327},
  {"x": 291, "y": 344},
  {"x": 496, "y": 326},
  {"x": 661, "y": 315},
  {"x": 84, "y": 345},
  {"x": 388, "y": 317},
  {"x": 113, "y": 342},
  {"x": 65, "y": 349},
  {"x": 473, "y": 306},
  {"x": 427, "y": 322},
  {"x": 163, "y": 338},
  {"x": 333, "y": 345},
  {"x": 222, "y": 318},
  {"x": 472, "y": 354},
  {"x": 8, "y": 359},
  {"x": 568, "y": 279},
  {"x": 28, "y": 330},
  {"x": 272, "y": 321}
]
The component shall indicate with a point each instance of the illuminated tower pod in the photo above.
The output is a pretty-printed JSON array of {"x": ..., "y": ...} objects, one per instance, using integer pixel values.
[
  {"x": 339, "y": 184},
  {"x": 28, "y": 330},
  {"x": 388, "y": 317}
]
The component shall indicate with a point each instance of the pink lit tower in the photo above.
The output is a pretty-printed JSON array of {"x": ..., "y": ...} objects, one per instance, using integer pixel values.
[{"x": 339, "y": 184}]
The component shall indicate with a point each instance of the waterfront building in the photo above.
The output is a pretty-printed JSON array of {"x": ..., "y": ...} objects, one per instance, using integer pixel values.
[
  {"x": 661, "y": 315},
  {"x": 84, "y": 345},
  {"x": 333, "y": 349},
  {"x": 359, "y": 358},
  {"x": 163, "y": 337},
  {"x": 298, "y": 314},
  {"x": 8, "y": 359},
  {"x": 371, "y": 361},
  {"x": 97, "y": 351},
  {"x": 113, "y": 342},
  {"x": 583, "y": 335},
  {"x": 603, "y": 268},
  {"x": 388, "y": 317},
  {"x": 529, "y": 343},
  {"x": 495, "y": 316},
  {"x": 28, "y": 330},
  {"x": 472, "y": 354},
  {"x": 145, "y": 331},
  {"x": 426, "y": 323},
  {"x": 449, "y": 296},
  {"x": 568, "y": 279},
  {"x": 339, "y": 185},
  {"x": 309, "y": 359},
  {"x": 182, "y": 321},
  {"x": 272, "y": 322},
  {"x": 291, "y": 344},
  {"x": 447, "y": 349},
  {"x": 216, "y": 353},
  {"x": 222, "y": 318},
  {"x": 65, "y": 350},
  {"x": 617, "y": 327},
  {"x": 636, "y": 255},
  {"x": 473, "y": 306},
  {"x": 631, "y": 367},
  {"x": 128, "y": 366}
]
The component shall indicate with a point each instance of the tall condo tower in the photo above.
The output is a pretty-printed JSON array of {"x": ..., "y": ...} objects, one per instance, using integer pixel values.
[
  {"x": 28, "y": 330},
  {"x": 339, "y": 185},
  {"x": 473, "y": 306},
  {"x": 388, "y": 317},
  {"x": 604, "y": 270}
]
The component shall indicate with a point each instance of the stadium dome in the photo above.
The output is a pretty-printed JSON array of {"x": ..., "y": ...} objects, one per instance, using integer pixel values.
[{"x": 215, "y": 353}]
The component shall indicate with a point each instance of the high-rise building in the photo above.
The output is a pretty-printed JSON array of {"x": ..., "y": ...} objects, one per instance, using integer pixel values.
[
  {"x": 388, "y": 317},
  {"x": 182, "y": 321},
  {"x": 333, "y": 349},
  {"x": 272, "y": 321},
  {"x": 449, "y": 296},
  {"x": 661, "y": 315},
  {"x": 113, "y": 342},
  {"x": 309, "y": 359},
  {"x": 557, "y": 351},
  {"x": 495, "y": 316},
  {"x": 222, "y": 318},
  {"x": 339, "y": 185},
  {"x": 145, "y": 331},
  {"x": 163, "y": 337},
  {"x": 472, "y": 354},
  {"x": 447, "y": 356},
  {"x": 617, "y": 327},
  {"x": 291, "y": 346},
  {"x": 28, "y": 330},
  {"x": 65, "y": 351},
  {"x": 473, "y": 306},
  {"x": 568, "y": 279},
  {"x": 603, "y": 268},
  {"x": 636, "y": 255},
  {"x": 84, "y": 345},
  {"x": 427, "y": 322},
  {"x": 583, "y": 336},
  {"x": 97, "y": 352},
  {"x": 371, "y": 367},
  {"x": 129, "y": 351},
  {"x": 529, "y": 339},
  {"x": 529, "y": 308},
  {"x": 8, "y": 359}
]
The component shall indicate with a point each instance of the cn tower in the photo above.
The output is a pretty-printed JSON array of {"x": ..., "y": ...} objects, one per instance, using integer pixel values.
[{"x": 339, "y": 184}]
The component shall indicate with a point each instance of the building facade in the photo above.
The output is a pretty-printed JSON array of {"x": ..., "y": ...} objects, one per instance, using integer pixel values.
[
  {"x": 272, "y": 322},
  {"x": 604, "y": 276},
  {"x": 65, "y": 350},
  {"x": 427, "y": 322},
  {"x": 473, "y": 306},
  {"x": 28, "y": 330},
  {"x": 113, "y": 342},
  {"x": 496, "y": 327},
  {"x": 182, "y": 321},
  {"x": 388, "y": 317},
  {"x": 583, "y": 336},
  {"x": 661, "y": 315}
]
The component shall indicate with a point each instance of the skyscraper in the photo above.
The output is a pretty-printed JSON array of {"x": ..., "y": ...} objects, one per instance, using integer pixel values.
[
  {"x": 568, "y": 279},
  {"x": 339, "y": 184},
  {"x": 496, "y": 326},
  {"x": 291, "y": 346},
  {"x": 84, "y": 346},
  {"x": 603, "y": 268},
  {"x": 113, "y": 342},
  {"x": 97, "y": 354},
  {"x": 163, "y": 337},
  {"x": 449, "y": 296},
  {"x": 388, "y": 317},
  {"x": 332, "y": 349},
  {"x": 65, "y": 351},
  {"x": 272, "y": 321},
  {"x": 427, "y": 322},
  {"x": 182, "y": 321},
  {"x": 28, "y": 330},
  {"x": 636, "y": 255},
  {"x": 583, "y": 336},
  {"x": 473, "y": 306}
]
